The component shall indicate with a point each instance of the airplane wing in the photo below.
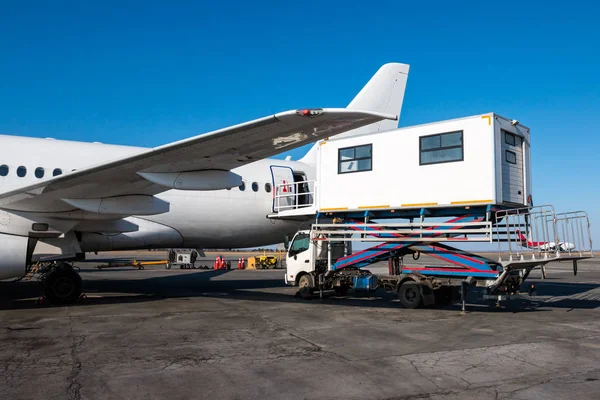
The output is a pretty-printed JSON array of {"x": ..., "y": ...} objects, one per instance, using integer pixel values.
[{"x": 222, "y": 150}]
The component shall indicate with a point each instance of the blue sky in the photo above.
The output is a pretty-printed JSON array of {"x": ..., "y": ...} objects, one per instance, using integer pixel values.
[{"x": 148, "y": 73}]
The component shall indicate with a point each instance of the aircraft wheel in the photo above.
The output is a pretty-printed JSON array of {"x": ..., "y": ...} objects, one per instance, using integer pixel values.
[{"x": 63, "y": 286}]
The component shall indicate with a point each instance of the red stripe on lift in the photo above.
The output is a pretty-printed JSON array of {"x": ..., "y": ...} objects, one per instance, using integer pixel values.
[{"x": 458, "y": 255}]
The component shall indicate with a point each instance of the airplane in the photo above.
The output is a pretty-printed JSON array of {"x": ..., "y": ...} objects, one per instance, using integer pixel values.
[
  {"x": 545, "y": 246},
  {"x": 62, "y": 199}
]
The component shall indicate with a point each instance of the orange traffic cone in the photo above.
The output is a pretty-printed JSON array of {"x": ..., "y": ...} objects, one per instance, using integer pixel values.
[
  {"x": 217, "y": 263},
  {"x": 243, "y": 263}
]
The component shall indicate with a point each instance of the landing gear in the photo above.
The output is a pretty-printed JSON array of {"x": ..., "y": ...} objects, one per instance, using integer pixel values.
[{"x": 62, "y": 284}]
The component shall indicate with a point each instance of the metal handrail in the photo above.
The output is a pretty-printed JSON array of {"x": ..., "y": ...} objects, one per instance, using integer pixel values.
[
  {"x": 546, "y": 234},
  {"x": 286, "y": 196}
]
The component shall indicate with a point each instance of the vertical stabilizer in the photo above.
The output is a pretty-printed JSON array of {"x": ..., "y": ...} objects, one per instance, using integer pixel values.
[{"x": 383, "y": 93}]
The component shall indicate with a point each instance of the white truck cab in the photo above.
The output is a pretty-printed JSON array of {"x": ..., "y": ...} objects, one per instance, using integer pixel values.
[{"x": 305, "y": 257}]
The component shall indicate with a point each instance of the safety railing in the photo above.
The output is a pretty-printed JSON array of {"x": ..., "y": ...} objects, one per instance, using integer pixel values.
[
  {"x": 574, "y": 231},
  {"x": 538, "y": 233},
  {"x": 293, "y": 196}
]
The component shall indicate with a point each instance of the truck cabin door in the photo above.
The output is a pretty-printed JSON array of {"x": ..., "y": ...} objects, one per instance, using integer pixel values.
[{"x": 284, "y": 192}]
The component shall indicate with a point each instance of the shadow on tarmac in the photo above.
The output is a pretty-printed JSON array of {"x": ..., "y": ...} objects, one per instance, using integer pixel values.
[{"x": 23, "y": 295}]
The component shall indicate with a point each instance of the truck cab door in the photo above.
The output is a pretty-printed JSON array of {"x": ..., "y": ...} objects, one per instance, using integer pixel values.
[{"x": 299, "y": 256}]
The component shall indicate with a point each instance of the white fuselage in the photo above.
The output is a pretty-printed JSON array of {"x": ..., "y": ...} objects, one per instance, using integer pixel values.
[{"x": 229, "y": 218}]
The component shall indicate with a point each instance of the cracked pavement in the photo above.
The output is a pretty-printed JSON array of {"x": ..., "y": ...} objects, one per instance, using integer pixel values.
[{"x": 157, "y": 334}]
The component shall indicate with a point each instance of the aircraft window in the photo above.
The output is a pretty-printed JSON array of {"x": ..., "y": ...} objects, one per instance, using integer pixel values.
[
  {"x": 242, "y": 186},
  {"x": 21, "y": 171},
  {"x": 39, "y": 172},
  {"x": 268, "y": 187},
  {"x": 56, "y": 172},
  {"x": 442, "y": 148},
  {"x": 355, "y": 159},
  {"x": 255, "y": 186},
  {"x": 3, "y": 170}
]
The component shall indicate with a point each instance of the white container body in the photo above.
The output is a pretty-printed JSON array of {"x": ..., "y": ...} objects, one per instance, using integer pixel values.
[{"x": 494, "y": 167}]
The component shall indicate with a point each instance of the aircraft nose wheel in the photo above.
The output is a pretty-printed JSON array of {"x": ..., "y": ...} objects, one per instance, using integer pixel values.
[{"x": 62, "y": 285}]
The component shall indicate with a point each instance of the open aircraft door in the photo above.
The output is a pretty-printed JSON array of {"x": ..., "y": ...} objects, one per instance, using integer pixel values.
[{"x": 284, "y": 190}]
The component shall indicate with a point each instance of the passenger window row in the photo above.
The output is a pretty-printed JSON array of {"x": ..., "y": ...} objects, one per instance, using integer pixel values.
[
  {"x": 22, "y": 171},
  {"x": 255, "y": 187},
  {"x": 40, "y": 172}
]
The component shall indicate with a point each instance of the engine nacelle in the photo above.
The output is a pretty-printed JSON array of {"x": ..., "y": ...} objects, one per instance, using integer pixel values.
[{"x": 13, "y": 256}]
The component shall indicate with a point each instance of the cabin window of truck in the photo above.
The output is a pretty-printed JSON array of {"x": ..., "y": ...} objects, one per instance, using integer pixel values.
[
  {"x": 355, "y": 159},
  {"x": 300, "y": 244},
  {"x": 441, "y": 148}
]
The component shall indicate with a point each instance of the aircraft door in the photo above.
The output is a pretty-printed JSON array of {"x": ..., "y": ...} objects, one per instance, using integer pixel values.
[{"x": 284, "y": 194}]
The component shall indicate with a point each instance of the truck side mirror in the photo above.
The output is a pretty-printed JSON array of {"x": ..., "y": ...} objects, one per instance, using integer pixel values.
[{"x": 295, "y": 256}]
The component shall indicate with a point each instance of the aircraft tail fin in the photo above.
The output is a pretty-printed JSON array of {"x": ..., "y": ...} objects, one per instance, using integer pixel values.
[
  {"x": 383, "y": 93},
  {"x": 522, "y": 237}
]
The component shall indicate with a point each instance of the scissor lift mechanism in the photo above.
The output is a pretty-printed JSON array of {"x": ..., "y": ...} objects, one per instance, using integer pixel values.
[{"x": 504, "y": 275}]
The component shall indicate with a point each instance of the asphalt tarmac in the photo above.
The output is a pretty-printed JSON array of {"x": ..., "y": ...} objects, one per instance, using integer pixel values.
[{"x": 206, "y": 334}]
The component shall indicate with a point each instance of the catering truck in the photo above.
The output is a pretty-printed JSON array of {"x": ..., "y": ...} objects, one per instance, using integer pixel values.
[{"x": 412, "y": 192}]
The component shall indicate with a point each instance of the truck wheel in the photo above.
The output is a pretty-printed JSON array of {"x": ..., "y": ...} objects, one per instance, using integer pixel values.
[
  {"x": 305, "y": 281},
  {"x": 305, "y": 286},
  {"x": 410, "y": 295}
]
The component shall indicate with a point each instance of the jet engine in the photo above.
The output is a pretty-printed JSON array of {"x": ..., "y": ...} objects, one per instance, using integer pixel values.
[{"x": 13, "y": 256}]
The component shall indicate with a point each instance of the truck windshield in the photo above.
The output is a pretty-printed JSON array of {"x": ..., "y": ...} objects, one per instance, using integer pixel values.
[{"x": 299, "y": 244}]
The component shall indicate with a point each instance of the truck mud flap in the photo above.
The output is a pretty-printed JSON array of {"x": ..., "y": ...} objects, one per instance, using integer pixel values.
[{"x": 427, "y": 294}]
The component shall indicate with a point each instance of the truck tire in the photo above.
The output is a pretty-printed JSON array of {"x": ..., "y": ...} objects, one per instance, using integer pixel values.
[
  {"x": 409, "y": 295},
  {"x": 305, "y": 286},
  {"x": 306, "y": 281}
]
